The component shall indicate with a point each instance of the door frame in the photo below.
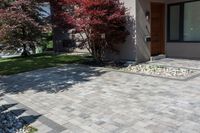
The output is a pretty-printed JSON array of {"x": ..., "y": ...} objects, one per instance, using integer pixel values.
[{"x": 163, "y": 19}]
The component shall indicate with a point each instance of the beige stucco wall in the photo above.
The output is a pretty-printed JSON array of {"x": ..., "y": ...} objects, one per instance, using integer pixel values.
[
  {"x": 127, "y": 51},
  {"x": 143, "y": 29}
]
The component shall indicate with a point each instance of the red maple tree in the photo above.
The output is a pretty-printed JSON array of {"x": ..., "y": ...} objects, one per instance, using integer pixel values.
[
  {"x": 101, "y": 24},
  {"x": 21, "y": 24}
]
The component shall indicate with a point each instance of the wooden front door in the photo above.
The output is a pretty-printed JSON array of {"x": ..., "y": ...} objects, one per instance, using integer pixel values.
[{"x": 157, "y": 28}]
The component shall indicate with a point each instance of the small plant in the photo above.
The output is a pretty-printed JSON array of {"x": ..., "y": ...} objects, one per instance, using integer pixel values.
[{"x": 31, "y": 129}]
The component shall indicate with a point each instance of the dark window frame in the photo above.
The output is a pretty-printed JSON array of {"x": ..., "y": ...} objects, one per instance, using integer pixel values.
[{"x": 181, "y": 22}]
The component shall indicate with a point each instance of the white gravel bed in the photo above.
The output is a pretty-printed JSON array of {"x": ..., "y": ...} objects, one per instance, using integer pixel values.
[{"x": 159, "y": 70}]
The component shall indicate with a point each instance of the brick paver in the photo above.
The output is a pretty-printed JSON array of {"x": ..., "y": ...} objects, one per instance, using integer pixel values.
[{"x": 91, "y": 100}]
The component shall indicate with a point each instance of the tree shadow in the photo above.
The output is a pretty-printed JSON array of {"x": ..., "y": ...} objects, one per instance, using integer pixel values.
[
  {"x": 6, "y": 106},
  {"x": 50, "y": 80},
  {"x": 13, "y": 120}
]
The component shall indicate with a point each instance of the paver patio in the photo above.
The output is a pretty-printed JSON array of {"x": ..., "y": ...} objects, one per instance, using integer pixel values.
[{"x": 82, "y": 99}]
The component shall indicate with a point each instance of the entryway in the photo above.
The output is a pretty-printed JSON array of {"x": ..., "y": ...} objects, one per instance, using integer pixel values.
[{"x": 157, "y": 28}]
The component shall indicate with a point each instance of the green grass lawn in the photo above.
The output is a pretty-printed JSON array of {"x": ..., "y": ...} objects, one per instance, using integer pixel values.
[{"x": 23, "y": 64}]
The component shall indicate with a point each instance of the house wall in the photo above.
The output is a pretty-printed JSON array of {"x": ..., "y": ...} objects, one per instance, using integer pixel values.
[
  {"x": 127, "y": 50},
  {"x": 136, "y": 48},
  {"x": 143, "y": 29},
  {"x": 175, "y": 1},
  {"x": 182, "y": 49},
  {"x": 63, "y": 42},
  {"x": 58, "y": 35}
]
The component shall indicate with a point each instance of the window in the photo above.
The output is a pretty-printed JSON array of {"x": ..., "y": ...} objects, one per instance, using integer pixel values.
[
  {"x": 184, "y": 22},
  {"x": 192, "y": 21},
  {"x": 174, "y": 22}
]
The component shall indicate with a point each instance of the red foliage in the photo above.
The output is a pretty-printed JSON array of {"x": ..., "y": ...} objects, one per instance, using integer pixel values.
[
  {"x": 101, "y": 22},
  {"x": 21, "y": 24}
]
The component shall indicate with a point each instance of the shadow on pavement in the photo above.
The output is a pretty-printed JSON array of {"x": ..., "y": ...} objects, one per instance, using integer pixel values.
[{"x": 50, "y": 80}]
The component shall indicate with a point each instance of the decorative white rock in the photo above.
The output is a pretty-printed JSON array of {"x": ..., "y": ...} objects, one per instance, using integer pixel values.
[{"x": 159, "y": 70}]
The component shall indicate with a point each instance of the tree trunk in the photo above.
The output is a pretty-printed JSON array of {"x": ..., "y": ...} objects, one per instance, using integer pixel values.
[
  {"x": 33, "y": 48},
  {"x": 25, "y": 51}
]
